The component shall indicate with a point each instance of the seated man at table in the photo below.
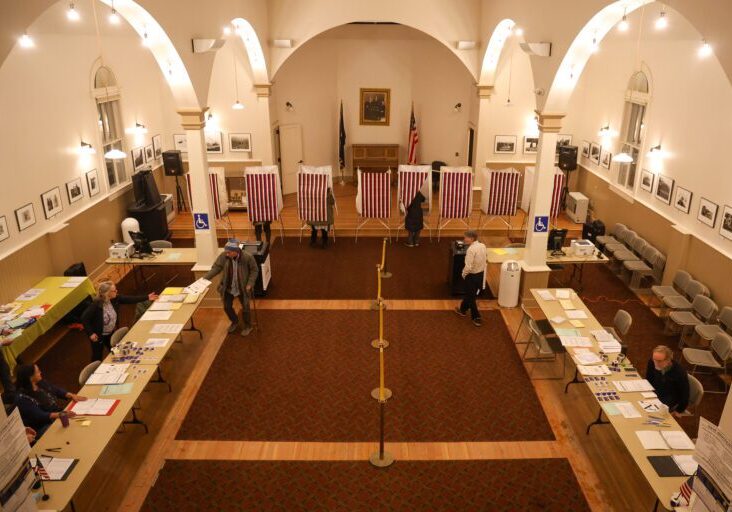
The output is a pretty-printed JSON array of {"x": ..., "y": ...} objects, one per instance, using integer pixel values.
[
  {"x": 669, "y": 379},
  {"x": 38, "y": 400}
]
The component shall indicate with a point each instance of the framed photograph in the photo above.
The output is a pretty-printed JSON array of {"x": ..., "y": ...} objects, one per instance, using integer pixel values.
[
  {"x": 74, "y": 190},
  {"x": 157, "y": 142},
  {"x": 707, "y": 212},
  {"x": 149, "y": 153},
  {"x": 180, "y": 142},
  {"x": 531, "y": 145},
  {"x": 665, "y": 188},
  {"x": 92, "y": 182},
  {"x": 595, "y": 153},
  {"x": 240, "y": 142},
  {"x": 725, "y": 228},
  {"x": 375, "y": 106},
  {"x": 505, "y": 144},
  {"x": 26, "y": 216},
  {"x": 4, "y": 233},
  {"x": 214, "y": 142},
  {"x": 606, "y": 158},
  {"x": 682, "y": 199},
  {"x": 138, "y": 158},
  {"x": 51, "y": 202},
  {"x": 563, "y": 140},
  {"x": 585, "y": 149},
  {"x": 647, "y": 179}
]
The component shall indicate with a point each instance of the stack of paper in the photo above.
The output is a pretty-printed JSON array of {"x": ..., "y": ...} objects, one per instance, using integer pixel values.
[
  {"x": 166, "y": 328},
  {"x": 651, "y": 440},
  {"x": 567, "y": 304},
  {"x": 109, "y": 374},
  {"x": 545, "y": 295},
  {"x": 576, "y": 314},
  {"x": 156, "y": 315},
  {"x": 33, "y": 312},
  {"x": 558, "y": 319},
  {"x": 165, "y": 306},
  {"x": 156, "y": 342},
  {"x": 577, "y": 323},
  {"x": 563, "y": 294},
  {"x": 575, "y": 341},
  {"x": 599, "y": 369},
  {"x": 29, "y": 295},
  {"x": 653, "y": 405},
  {"x": 677, "y": 440},
  {"x": 200, "y": 286},
  {"x": 191, "y": 298},
  {"x": 73, "y": 282},
  {"x": 602, "y": 335},
  {"x": 686, "y": 463},
  {"x": 178, "y": 297},
  {"x": 54, "y": 468},
  {"x": 627, "y": 409},
  {"x": 95, "y": 407},
  {"x": 610, "y": 347},
  {"x": 586, "y": 356},
  {"x": 633, "y": 385}
]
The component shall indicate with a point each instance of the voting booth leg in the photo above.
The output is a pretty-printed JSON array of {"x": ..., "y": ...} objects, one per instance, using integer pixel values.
[
  {"x": 382, "y": 458},
  {"x": 598, "y": 421}
]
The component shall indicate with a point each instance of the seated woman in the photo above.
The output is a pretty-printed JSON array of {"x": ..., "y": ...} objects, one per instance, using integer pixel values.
[
  {"x": 38, "y": 400},
  {"x": 100, "y": 318}
]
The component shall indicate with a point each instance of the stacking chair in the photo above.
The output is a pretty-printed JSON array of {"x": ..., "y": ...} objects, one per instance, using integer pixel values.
[
  {"x": 696, "y": 393},
  {"x": 547, "y": 349},
  {"x": 621, "y": 325},
  {"x": 611, "y": 237},
  {"x": 637, "y": 247},
  {"x": 543, "y": 325},
  {"x": 650, "y": 266},
  {"x": 707, "y": 332},
  {"x": 684, "y": 302},
  {"x": 161, "y": 244},
  {"x": 703, "y": 311},
  {"x": 624, "y": 241},
  {"x": 87, "y": 372},
  {"x": 118, "y": 335},
  {"x": 715, "y": 359},
  {"x": 680, "y": 281}
]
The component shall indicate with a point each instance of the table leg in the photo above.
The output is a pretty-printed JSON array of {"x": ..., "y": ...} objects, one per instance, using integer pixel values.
[
  {"x": 193, "y": 328},
  {"x": 598, "y": 421},
  {"x": 161, "y": 380},
  {"x": 655, "y": 505},
  {"x": 575, "y": 380},
  {"x": 136, "y": 421}
]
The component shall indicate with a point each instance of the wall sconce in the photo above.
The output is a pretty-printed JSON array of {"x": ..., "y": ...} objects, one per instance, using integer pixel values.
[
  {"x": 289, "y": 106},
  {"x": 605, "y": 131},
  {"x": 138, "y": 129},
  {"x": 86, "y": 149},
  {"x": 458, "y": 107},
  {"x": 655, "y": 151},
  {"x": 115, "y": 154}
]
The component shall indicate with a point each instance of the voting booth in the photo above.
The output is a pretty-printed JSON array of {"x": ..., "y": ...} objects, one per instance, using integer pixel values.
[
  {"x": 312, "y": 195},
  {"x": 373, "y": 198},
  {"x": 264, "y": 195},
  {"x": 410, "y": 180},
  {"x": 456, "y": 196}
]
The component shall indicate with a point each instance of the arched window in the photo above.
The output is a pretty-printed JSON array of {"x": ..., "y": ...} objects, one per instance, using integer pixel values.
[
  {"x": 106, "y": 94},
  {"x": 636, "y": 101}
]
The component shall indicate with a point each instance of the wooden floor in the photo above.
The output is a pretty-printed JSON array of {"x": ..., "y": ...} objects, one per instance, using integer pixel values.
[{"x": 129, "y": 467}]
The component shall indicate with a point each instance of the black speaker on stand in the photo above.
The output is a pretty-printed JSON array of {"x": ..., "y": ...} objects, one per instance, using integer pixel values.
[
  {"x": 173, "y": 166},
  {"x": 567, "y": 163}
]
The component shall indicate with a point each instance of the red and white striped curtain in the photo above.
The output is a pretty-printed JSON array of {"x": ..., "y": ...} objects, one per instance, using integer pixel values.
[
  {"x": 312, "y": 197},
  {"x": 214, "y": 182},
  {"x": 456, "y": 192},
  {"x": 557, "y": 194},
  {"x": 410, "y": 180},
  {"x": 501, "y": 187},
  {"x": 375, "y": 195},
  {"x": 263, "y": 203}
]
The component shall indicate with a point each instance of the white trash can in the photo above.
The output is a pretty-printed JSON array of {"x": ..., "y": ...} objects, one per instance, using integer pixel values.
[
  {"x": 129, "y": 224},
  {"x": 509, "y": 284}
]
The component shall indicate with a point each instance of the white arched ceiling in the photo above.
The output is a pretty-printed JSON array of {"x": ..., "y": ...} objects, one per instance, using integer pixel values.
[
  {"x": 493, "y": 52},
  {"x": 253, "y": 47},
  {"x": 581, "y": 50}
]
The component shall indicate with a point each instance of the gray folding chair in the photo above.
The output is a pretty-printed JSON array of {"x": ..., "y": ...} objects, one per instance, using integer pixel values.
[
  {"x": 611, "y": 237},
  {"x": 637, "y": 247},
  {"x": 547, "y": 350},
  {"x": 696, "y": 393},
  {"x": 543, "y": 325},
  {"x": 161, "y": 244},
  {"x": 703, "y": 311},
  {"x": 684, "y": 302},
  {"x": 680, "y": 281},
  {"x": 634, "y": 272},
  {"x": 621, "y": 325},
  {"x": 715, "y": 359},
  {"x": 87, "y": 371},
  {"x": 707, "y": 332},
  {"x": 118, "y": 335},
  {"x": 626, "y": 238}
]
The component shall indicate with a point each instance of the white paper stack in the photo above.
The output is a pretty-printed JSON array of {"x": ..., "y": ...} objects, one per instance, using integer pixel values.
[
  {"x": 156, "y": 315},
  {"x": 628, "y": 410},
  {"x": 563, "y": 294},
  {"x": 610, "y": 347},
  {"x": 677, "y": 440},
  {"x": 546, "y": 295},
  {"x": 29, "y": 294},
  {"x": 178, "y": 297},
  {"x": 575, "y": 341},
  {"x": 94, "y": 407},
  {"x": 651, "y": 440},
  {"x": 602, "y": 335},
  {"x": 156, "y": 342},
  {"x": 586, "y": 356},
  {"x": 633, "y": 385},
  {"x": 576, "y": 314},
  {"x": 109, "y": 374},
  {"x": 200, "y": 286},
  {"x": 599, "y": 369},
  {"x": 686, "y": 463},
  {"x": 166, "y": 328}
]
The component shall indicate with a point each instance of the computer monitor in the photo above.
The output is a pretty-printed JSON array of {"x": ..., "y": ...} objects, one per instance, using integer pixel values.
[
  {"x": 556, "y": 241},
  {"x": 142, "y": 244},
  {"x": 145, "y": 189}
]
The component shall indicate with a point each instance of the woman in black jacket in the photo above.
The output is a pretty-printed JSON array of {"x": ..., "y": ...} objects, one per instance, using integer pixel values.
[
  {"x": 100, "y": 318},
  {"x": 414, "y": 220}
]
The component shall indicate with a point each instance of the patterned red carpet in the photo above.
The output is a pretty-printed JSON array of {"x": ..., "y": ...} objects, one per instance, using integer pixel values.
[
  {"x": 545, "y": 485},
  {"x": 309, "y": 374}
]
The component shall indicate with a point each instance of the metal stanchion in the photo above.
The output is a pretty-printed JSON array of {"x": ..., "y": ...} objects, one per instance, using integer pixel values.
[
  {"x": 381, "y": 393},
  {"x": 379, "y": 299},
  {"x": 382, "y": 458},
  {"x": 384, "y": 272},
  {"x": 380, "y": 342}
]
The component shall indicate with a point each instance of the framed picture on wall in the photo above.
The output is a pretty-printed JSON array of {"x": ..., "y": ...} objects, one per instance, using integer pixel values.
[
  {"x": 647, "y": 178},
  {"x": 157, "y": 142},
  {"x": 505, "y": 144},
  {"x": 149, "y": 153},
  {"x": 665, "y": 188},
  {"x": 214, "y": 142},
  {"x": 563, "y": 140},
  {"x": 606, "y": 158},
  {"x": 531, "y": 145},
  {"x": 595, "y": 153},
  {"x": 682, "y": 199},
  {"x": 51, "y": 202},
  {"x": 180, "y": 142},
  {"x": 707, "y": 213},
  {"x": 374, "y": 107},
  {"x": 585, "y": 149},
  {"x": 26, "y": 216},
  {"x": 74, "y": 190},
  {"x": 240, "y": 142},
  {"x": 138, "y": 158},
  {"x": 4, "y": 233},
  {"x": 92, "y": 182},
  {"x": 725, "y": 228}
]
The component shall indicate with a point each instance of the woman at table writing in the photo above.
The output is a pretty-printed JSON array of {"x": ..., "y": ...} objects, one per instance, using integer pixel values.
[
  {"x": 100, "y": 318},
  {"x": 38, "y": 400}
]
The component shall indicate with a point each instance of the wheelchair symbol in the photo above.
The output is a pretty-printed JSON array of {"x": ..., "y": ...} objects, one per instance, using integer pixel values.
[
  {"x": 541, "y": 224},
  {"x": 200, "y": 221}
]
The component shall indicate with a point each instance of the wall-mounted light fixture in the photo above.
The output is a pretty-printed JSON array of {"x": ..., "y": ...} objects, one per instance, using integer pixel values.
[
  {"x": 115, "y": 154},
  {"x": 623, "y": 158},
  {"x": 465, "y": 45},
  {"x": 623, "y": 26},
  {"x": 289, "y": 106},
  {"x": 113, "y": 17},
  {"x": 655, "y": 151},
  {"x": 86, "y": 149},
  {"x": 458, "y": 107},
  {"x": 26, "y": 41},
  {"x": 138, "y": 129},
  {"x": 282, "y": 43},
  {"x": 71, "y": 13}
]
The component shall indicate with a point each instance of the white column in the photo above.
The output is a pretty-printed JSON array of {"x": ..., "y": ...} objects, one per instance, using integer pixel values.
[
  {"x": 484, "y": 144},
  {"x": 541, "y": 199},
  {"x": 263, "y": 148},
  {"x": 193, "y": 122}
]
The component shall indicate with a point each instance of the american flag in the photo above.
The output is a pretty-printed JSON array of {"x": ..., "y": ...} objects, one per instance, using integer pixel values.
[{"x": 413, "y": 140}]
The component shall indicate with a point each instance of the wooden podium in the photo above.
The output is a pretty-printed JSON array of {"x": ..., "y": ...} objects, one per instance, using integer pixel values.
[{"x": 375, "y": 157}]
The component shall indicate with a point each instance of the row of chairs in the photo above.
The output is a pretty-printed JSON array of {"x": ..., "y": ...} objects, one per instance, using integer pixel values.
[{"x": 634, "y": 259}]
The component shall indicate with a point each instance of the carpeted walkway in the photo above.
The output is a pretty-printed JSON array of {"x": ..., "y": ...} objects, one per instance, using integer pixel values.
[
  {"x": 546, "y": 485},
  {"x": 309, "y": 374}
]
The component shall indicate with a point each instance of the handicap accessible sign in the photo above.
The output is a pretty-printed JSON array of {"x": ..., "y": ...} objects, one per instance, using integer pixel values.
[
  {"x": 541, "y": 224},
  {"x": 200, "y": 221}
]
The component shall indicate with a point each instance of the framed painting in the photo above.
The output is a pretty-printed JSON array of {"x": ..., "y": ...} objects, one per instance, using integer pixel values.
[
  {"x": 26, "y": 216},
  {"x": 74, "y": 190},
  {"x": 374, "y": 107},
  {"x": 707, "y": 212},
  {"x": 505, "y": 144},
  {"x": 682, "y": 199},
  {"x": 51, "y": 202}
]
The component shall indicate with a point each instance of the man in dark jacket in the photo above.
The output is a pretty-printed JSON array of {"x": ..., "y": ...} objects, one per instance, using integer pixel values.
[
  {"x": 239, "y": 275},
  {"x": 414, "y": 220},
  {"x": 669, "y": 379}
]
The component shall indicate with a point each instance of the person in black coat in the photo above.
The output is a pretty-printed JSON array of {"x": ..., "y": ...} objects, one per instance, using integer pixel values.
[
  {"x": 100, "y": 318},
  {"x": 414, "y": 220},
  {"x": 669, "y": 380}
]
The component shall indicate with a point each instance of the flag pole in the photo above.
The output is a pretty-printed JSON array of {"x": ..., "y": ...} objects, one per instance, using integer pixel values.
[{"x": 341, "y": 140}]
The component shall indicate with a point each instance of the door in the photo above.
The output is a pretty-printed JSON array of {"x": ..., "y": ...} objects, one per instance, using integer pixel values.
[
  {"x": 291, "y": 156},
  {"x": 471, "y": 145}
]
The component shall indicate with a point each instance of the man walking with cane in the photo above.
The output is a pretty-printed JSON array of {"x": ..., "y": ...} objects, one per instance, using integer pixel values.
[
  {"x": 473, "y": 274},
  {"x": 239, "y": 275}
]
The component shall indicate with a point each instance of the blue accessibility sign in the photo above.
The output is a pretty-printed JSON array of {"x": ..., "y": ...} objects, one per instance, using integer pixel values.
[
  {"x": 541, "y": 224},
  {"x": 200, "y": 221}
]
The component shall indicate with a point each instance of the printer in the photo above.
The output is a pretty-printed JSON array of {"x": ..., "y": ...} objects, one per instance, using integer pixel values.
[
  {"x": 121, "y": 250},
  {"x": 582, "y": 248}
]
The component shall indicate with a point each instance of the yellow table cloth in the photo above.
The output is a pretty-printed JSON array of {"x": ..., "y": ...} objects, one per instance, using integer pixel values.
[{"x": 62, "y": 301}]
